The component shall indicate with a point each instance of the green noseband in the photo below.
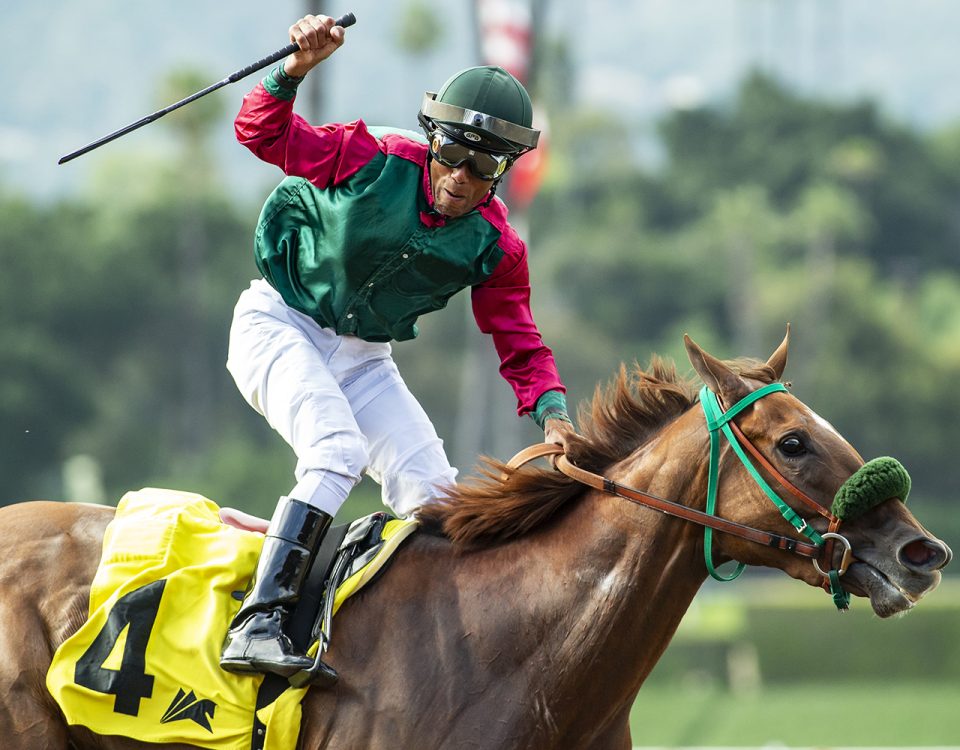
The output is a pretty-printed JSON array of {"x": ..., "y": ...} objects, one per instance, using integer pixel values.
[{"x": 875, "y": 481}]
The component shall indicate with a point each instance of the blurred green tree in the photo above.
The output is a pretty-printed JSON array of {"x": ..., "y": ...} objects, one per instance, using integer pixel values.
[{"x": 784, "y": 142}]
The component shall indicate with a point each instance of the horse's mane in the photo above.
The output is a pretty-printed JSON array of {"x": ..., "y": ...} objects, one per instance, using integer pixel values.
[{"x": 498, "y": 503}]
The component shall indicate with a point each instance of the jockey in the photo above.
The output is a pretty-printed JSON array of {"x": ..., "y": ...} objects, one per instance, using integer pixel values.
[{"x": 373, "y": 228}]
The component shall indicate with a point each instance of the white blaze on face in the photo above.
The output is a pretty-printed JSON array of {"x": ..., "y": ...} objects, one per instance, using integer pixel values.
[{"x": 825, "y": 424}]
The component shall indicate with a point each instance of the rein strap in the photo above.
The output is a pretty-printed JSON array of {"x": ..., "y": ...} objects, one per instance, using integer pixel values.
[{"x": 541, "y": 450}]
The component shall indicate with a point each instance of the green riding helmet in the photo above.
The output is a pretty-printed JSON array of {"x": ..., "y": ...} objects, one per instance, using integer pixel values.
[{"x": 484, "y": 108}]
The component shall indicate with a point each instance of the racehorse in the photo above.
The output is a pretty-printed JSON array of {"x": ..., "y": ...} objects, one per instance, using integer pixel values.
[{"x": 530, "y": 608}]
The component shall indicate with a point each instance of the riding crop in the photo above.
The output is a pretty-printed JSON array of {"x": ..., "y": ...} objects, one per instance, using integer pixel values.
[{"x": 348, "y": 19}]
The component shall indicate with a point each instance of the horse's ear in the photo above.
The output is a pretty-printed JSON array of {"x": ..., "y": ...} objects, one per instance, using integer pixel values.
[
  {"x": 778, "y": 360},
  {"x": 719, "y": 378}
]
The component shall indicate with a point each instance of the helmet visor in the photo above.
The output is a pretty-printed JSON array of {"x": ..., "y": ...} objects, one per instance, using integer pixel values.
[
  {"x": 515, "y": 137},
  {"x": 451, "y": 153}
]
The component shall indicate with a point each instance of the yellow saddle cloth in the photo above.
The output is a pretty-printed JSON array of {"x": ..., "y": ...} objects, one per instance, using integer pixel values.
[{"x": 145, "y": 665}]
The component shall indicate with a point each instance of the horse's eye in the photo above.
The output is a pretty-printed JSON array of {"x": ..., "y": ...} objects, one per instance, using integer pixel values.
[{"x": 792, "y": 446}]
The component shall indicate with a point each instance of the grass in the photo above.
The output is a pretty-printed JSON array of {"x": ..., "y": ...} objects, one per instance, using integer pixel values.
[{"x": 810, "y": 715}]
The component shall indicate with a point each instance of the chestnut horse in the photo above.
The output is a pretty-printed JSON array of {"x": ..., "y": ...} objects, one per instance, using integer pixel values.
[{"x": 529, "y": 610}]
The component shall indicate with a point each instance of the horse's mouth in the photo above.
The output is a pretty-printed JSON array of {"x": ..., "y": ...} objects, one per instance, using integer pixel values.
[{"x": 887, "y": 597}]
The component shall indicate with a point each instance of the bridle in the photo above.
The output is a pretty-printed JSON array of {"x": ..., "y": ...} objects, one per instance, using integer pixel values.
[{"x": 720, "y": 422}]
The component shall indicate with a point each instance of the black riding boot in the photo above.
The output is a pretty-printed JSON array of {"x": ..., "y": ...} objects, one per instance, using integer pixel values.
[{"x": 256, "y": 641}]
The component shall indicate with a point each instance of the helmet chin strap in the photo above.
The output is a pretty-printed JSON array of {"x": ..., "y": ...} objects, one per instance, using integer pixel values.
[{"x": 491, "y": 194}]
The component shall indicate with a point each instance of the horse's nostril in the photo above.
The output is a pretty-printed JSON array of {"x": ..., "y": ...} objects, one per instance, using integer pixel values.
[{"x": 925, "y": 554}]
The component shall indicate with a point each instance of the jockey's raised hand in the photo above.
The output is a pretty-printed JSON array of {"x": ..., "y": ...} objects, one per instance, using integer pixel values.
[{"x": 318, "y": 38}]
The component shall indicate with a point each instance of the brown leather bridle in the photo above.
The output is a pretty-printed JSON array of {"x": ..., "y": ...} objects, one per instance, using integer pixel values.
[{"x": 833, "y": 527}]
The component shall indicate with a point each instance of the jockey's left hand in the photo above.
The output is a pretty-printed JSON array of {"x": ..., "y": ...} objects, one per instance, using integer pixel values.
[{"x": 557, "y": 431}]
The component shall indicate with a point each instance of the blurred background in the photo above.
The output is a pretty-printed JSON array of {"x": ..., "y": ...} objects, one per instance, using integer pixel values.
[{"x": 717, "y": 167}]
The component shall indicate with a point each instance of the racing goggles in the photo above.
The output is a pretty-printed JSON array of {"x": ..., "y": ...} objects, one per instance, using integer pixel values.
[{"x": 451, "y": 153}]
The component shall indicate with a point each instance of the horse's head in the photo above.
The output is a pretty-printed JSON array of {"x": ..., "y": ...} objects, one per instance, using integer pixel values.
[{"x": 812, "y": 469}]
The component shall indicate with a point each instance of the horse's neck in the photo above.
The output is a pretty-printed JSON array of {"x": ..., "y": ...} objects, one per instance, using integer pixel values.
[
  {"x": 643, "y": 581},
  {"x": 607, "y": 586}
]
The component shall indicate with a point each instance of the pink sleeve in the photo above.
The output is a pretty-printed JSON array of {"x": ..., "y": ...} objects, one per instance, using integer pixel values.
[
  {"x": 501, "y": 306},
  {"x": 325, "y": 155}
]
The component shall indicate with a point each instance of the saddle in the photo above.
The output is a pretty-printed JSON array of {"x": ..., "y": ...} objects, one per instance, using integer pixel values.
[{"x": 350, "y": 557}]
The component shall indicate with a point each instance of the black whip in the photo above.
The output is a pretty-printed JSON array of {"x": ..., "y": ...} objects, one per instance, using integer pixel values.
[{"x": 348, "y": 19}]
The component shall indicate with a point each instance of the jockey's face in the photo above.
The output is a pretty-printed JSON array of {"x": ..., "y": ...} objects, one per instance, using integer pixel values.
[{"x": 456, "y": 190}]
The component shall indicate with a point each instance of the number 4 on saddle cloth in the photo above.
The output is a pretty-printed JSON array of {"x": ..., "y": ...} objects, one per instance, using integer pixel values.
[{"x": 145, "y": 664}]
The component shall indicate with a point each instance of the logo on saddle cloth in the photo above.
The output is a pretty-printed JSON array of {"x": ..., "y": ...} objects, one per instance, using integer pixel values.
[
  {"x": 186, "y": 706},
  {"x": 160, "y": 604}
]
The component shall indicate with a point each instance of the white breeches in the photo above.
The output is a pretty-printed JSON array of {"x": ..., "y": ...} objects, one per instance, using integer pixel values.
[{"x": 339, "y": 402}]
